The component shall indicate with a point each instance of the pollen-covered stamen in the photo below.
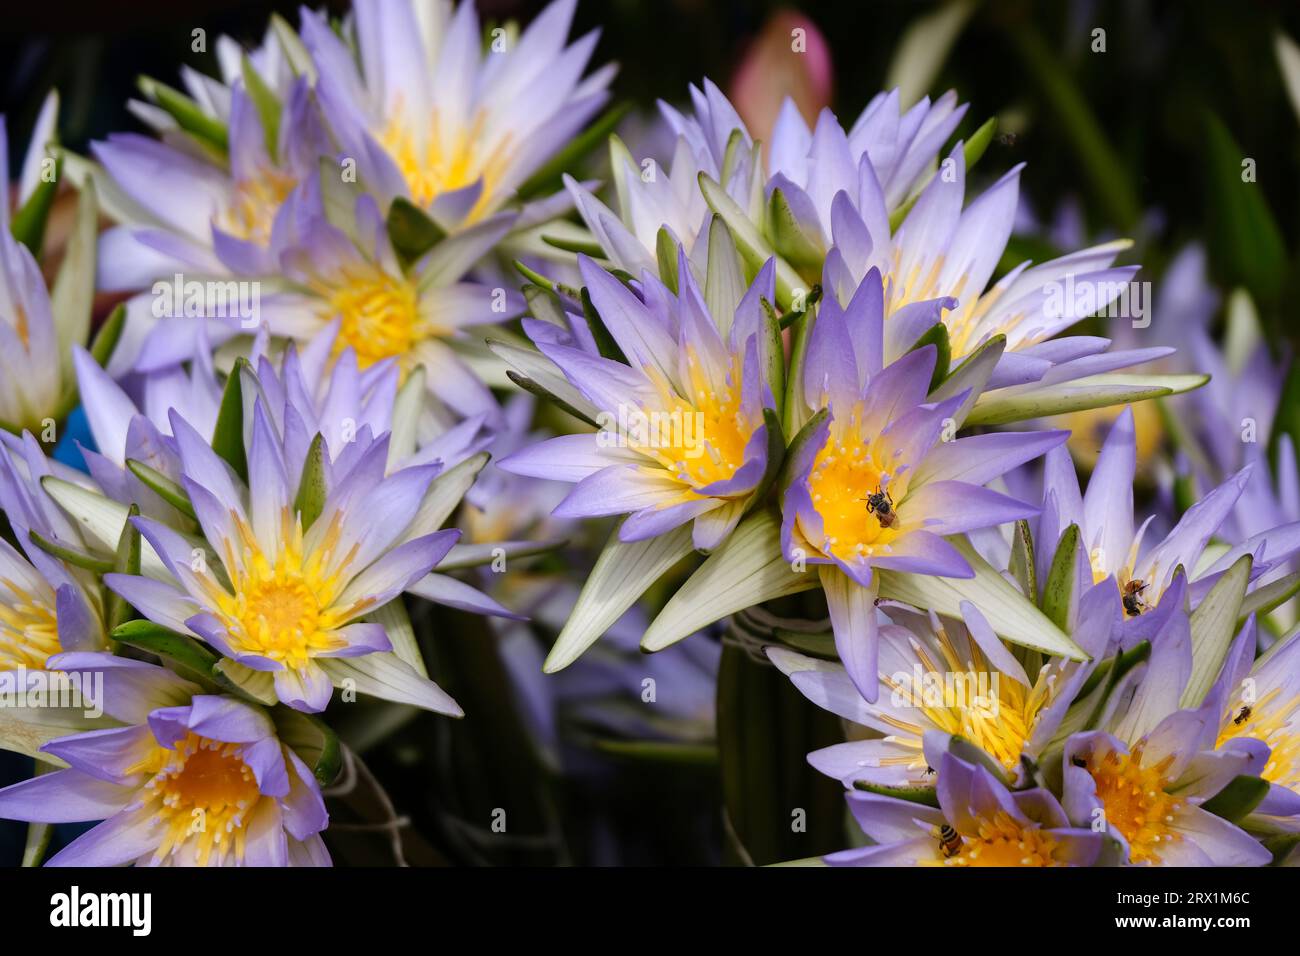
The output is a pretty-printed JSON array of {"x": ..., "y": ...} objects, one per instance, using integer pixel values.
[
  {"x": 282, "y": 606},
  {"x": 843, "y": 478},
  {"x": 1276, "y": 721},
  {"x": 379, "y": 314},
  {"x": 1000, "y": 840},
  {"x": 254, "y": 205},
  {"x": 202, "y": 793},
  {"x": 29, "y": 633},
  {"x": 432, "y": 167},
  {"x": 701, "y": 438},
  {"x": 1134, "y": 800}
]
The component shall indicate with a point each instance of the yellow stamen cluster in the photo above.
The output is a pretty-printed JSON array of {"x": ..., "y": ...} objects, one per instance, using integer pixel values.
[
  {"x": 845, "y": 472},
  {"x": 1276, "y": 722},
  {"x": 1003, "y": 841},
  {"x": 1134, "y": 800},
  {"x": 1000, "y": 727},
  {"x": 29, "y": 633},
  {"x": 379, "y": 314},
  {"x": 283, "y": 605},
  {"x": 256, "y": 200},
  {"x": 702, "y": 438},
  {"x": 432, "y": 166},
  {"x": 202, "y": 793}
]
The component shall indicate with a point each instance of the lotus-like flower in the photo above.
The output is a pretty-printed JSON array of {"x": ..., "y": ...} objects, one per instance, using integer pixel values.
[
  {"x": 683, "y": 437},
  {"x": 978, "y": 823},
  {"x": 1145, "y": 773},
  {"x": 871, "y": 482},
  {"x": 292, "y": 570},
  {"x": 1113, "y": 549},
  {"x": 187, "y": 779},
  {"x": 46, "y": 605},
  {"x": 33, "y": 364},
  {"x": 942, "y": 678},
  {"x": 429, "y": 117}
]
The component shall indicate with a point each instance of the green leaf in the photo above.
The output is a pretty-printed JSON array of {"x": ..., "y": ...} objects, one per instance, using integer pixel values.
[
  {"x": 396, "y": 623},
  {"x": 73, "y": 297},
  {"x": 748, "y": 568},
  {"x": 925, "y": 796},
  {"x": 258, "y": 686},
  {"x": 411, "y": 231},
  {"x": 789, "y": 239},
  {"x": 1011, "y": 615},
  {"x": 585, "y": 247},
  {"x": 796, "y": 411},
  {"x": 972, "y": 374},
  {"x": 724, "y": 280},
  {"x": 189, "y": 116},
  {"x": 161, "y": 485},
  {"x": 547, "y": 179},
  {"x": 266, "y": 104},
  {"x": 228, "y": 435},
  {"x": 751, "y": 245},
  {"x": 191, "y": 658},
  {"x": 1058, "y": 589},
  {"x": 775, "y": 459},
  {"x": 545, "y": 305},
  {"x": 666, "y": 249},
  {"x": 312, "y": 740},
  {"x": 28, "y": 224},
  {"x": 117, "y": 610},
  {"x": 1022, "y": 565},
  {"x": 545, "y": 282},
  {"x": 623, "y": 572},
  {"x": 792, "y": 454},
  {"x": 463, "y": 556},
  {"x": 295, "y": 52},
  {"x": 535, "y": 373},
  {"x": 971, "y": 152},
  {"x": 1214, "y": 624},
  {"x": 1267, "y": 598},
  {"x": 668, "y": 752},
  {"x": 1236, "y": 801},
  {"x": 1245, "y": 242},
  {"x": 936, "y": 335},
  {"x": 74, "y": 557},
  {"x": 604, "y": 340},
  {"x": 106, "y": 339},
  {"x": 310, "y": 500},
  {"x": 1096, "y": 391}
]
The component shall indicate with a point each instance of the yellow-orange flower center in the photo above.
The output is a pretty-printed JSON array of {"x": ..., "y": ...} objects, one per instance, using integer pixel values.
[
  {"x": 1273, "y": 720},
  {"x": 432, "y": 166},
  {"x": 29, "y": 633},
  {"x": 254, "y": 205},
  {"x": 203, "y": 793},
  {"x": 1003, "y": 841},
  {"x": 1134, "y": 800},
  {"x": 844, "y": 477},
  {"x": 379, "y": 315}
]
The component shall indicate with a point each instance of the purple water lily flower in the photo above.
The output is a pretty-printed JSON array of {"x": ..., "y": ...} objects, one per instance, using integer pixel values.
[
  {"x": 1143, "y": 775},
  {"x": 875, "y": 484},
  {"x": 682, "y": 436},
  {"x": 46, "y": 605},
  {"x": 1114, "y": 549},
  {"x": 188, "y": 779},
  {"x": 408, "y": 92},
  {"x": 278, "y": 592},
  {"x": 942, "y": 678},
  {"x": 978, "y": 823}
]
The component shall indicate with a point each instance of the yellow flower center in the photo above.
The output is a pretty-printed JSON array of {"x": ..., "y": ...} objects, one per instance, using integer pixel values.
[
  {"x": 256, "y": 201},
  {"x": 1273, "y": 721},
  {"x": 203, "y": 793},
  {"x": 968, "y": 698},
  {"x": 700, "y": 439},
  {"x": 432, "y": 166},
  {"x": 844, "y": 477},
  {"x": 380, "y": 316},
  {"x": 29, "y": 633},
  {"x": 282, "y": 607},
  {"x": 1003, "y": 841},
  {"x": 1135, "y": 802}
]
